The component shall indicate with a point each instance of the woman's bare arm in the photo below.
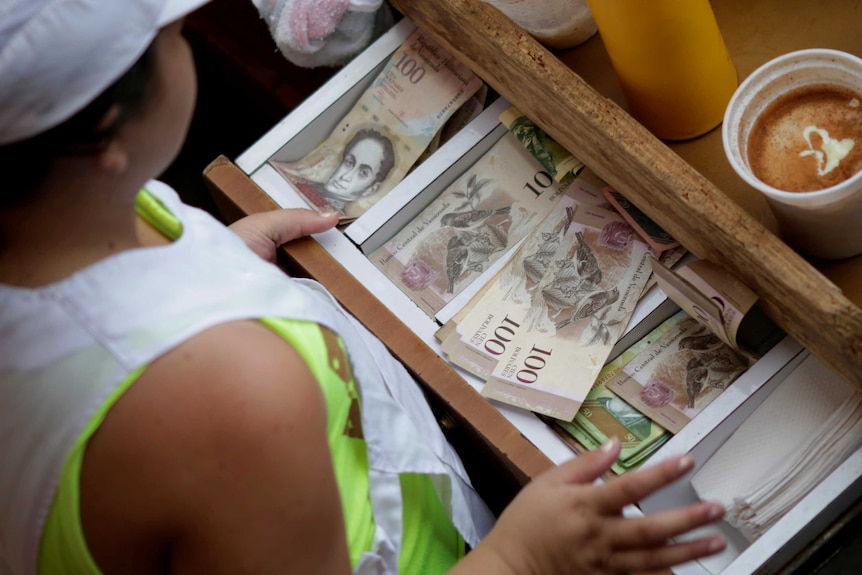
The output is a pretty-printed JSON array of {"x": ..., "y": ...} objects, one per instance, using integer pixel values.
[{"x": 216, "y": 461}]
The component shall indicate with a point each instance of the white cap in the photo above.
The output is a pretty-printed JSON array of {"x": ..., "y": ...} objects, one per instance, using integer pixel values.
[{"x": 57, "y": 56}]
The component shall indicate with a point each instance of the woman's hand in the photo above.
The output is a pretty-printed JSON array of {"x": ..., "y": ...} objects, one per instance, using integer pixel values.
[
  {"x": 266, "y": 231},
  {"x": 563, "y": 522}
]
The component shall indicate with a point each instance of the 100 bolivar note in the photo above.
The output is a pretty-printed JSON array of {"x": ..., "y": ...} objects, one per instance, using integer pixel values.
[
  {"x": 586, "y": 301},
  {"x": 514, "y": 284},
  {"x": 548, "y": 345},
  {"x": 374, "y": 146},
  {"x": 469, "y": 226},
  {"x": 512, "y": 288}
]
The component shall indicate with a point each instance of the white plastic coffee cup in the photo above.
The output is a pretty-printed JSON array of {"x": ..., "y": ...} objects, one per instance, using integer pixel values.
[{"x": 825, "y": 223}]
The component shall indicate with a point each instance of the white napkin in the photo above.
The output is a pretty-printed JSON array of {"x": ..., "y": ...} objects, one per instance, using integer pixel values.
[{"x": 809, "y": 425}]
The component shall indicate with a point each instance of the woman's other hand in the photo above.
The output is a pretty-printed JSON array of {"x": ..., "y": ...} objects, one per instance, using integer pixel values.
[
  {"x": 564, "y": 522},
  {"x": 266, "y": 231}
]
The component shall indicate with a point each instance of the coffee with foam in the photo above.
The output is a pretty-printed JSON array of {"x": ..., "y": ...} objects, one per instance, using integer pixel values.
[{"x": 808, "y": 139}]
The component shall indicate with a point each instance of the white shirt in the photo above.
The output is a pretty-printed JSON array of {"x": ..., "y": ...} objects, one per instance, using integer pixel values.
[{"x": 67, "y": 346}]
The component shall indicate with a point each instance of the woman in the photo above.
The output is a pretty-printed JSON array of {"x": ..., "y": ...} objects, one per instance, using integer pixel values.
[{"x": 172, "y": 403}]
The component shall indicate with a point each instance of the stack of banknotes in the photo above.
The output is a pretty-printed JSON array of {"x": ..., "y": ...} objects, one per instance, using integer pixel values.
[{"x": 539, "y": 332}]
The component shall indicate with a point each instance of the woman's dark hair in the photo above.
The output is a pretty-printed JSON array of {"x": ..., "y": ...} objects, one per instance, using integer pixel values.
[{"x": 26, "y": 163}]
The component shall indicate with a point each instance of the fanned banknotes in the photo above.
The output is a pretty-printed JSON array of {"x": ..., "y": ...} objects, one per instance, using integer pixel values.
[
  {"x": 552, "y": 315},
  {"x": 512, "y": 288},
  {"x": 386, "y": 131},
  {"x": 470, "y": 225},
  {"x": 520, "y": 277}
]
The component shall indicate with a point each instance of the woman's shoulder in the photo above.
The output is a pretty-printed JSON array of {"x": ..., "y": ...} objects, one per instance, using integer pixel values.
[{"x": 223, "y": 430}]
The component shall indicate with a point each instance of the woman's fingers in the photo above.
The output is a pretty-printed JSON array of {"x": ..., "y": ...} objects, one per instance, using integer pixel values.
[
  {"x": 264, "y": 232},
  {"x": 290, "y": 224},
  {"x": 658, "y": 528},
  {"x": 635, "y": 486},
  {"x": 658, "y": 559},
  {"x": 644, "y": 544},
  {"x": 587, "y": 467}
]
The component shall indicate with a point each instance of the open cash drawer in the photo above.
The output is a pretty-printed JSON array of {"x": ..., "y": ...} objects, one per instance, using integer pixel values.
[{"x": 312, "y": 122}]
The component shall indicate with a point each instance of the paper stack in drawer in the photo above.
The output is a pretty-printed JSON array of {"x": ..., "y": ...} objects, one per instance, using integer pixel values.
[{"x": 798, "y": 436}]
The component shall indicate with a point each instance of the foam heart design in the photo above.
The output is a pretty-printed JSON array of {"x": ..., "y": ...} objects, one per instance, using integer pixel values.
[{"x": 831, "y": 151}]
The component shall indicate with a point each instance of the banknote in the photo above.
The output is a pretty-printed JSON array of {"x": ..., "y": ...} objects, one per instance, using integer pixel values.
[
  {"x": 672, "y": 380},
  {"x": 584, "y": 441},
  {"x": 465, "y": 114},
  {"x": 375, "y": 145},
  {"x": 611, "y": 368},
  {"x": 636, "y": 432},
  {"x": 589, "y": 186},
  {"x": 562, "y": 337},
  {"x": 653, "y": 234},
  {"x": 470, "y": 225},
  {"x": 722, "y": 302},
  {"x": 557, "y": 161}
]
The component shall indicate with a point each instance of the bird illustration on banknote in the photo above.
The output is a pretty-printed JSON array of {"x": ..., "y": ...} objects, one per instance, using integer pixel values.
[
  {"x": 566, "y": 289},
  {"x": 471, "y": 217},
  {"x": 575, "y": 285},
  {"x": 696, "y": 374},
  {"x": 456, "y": 259},
  {"x": 536, "y": 264},
  {"x": 587, "y": 264},
  {"x": 591, "y": 305},
  {"x": 700, "y": 341},
  {"x": 471, "y": 250},
  {"x": 714, "y": 364},
  {"x": 725, "y": 364}
]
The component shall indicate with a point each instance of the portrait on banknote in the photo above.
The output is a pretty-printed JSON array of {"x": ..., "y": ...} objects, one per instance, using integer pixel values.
[
  {"x": 385, "y": 132},
  {"x": 366, "y": 161}
]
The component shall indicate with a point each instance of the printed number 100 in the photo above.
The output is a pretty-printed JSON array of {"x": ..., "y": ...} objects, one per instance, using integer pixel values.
[
  {"x": 408, "y": 67},
  {"x": 533, "y": 363}
]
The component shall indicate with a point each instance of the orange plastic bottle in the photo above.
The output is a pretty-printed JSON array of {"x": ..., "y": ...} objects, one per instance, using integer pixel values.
[{"x": 671, "y": 61}]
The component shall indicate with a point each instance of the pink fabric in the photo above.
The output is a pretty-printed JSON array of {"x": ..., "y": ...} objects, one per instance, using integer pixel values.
[
  {"x": 314, "y": 20},
  {"x": 313, "y": 33}
]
